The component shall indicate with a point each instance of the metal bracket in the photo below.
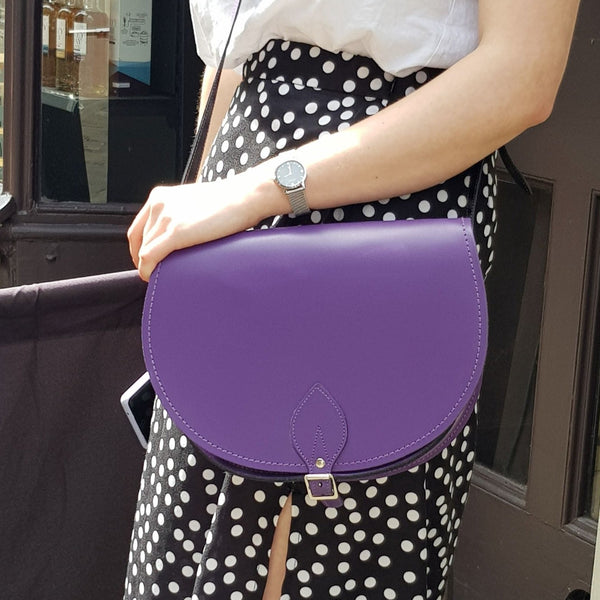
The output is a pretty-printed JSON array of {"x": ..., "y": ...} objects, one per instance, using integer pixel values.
[{"x": 321, "y": 477}]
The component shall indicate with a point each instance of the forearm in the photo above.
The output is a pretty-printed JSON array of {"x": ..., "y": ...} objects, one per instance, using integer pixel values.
[
  {"x": 505, "y": 86},
  {"x": 419, "y": 141}
]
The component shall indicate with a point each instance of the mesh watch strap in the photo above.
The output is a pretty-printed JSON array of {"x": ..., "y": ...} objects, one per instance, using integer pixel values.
[{"x": 298, "y": 201}]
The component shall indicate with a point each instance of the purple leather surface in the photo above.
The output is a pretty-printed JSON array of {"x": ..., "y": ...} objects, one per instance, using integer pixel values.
[{"x": 387, "y": 319}]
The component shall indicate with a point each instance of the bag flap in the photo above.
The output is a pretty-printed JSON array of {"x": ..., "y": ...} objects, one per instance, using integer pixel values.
[{"x": 388, "y": 319}]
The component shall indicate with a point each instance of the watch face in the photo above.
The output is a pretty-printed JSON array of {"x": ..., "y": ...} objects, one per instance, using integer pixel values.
[{"x": 290, "y": 174}]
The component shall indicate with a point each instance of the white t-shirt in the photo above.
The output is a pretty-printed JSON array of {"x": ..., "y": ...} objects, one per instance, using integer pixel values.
[{"x": 400, "y": 35}]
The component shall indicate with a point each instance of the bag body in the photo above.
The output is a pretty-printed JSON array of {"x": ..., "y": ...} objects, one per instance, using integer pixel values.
[{"x": 341, "y": 351}]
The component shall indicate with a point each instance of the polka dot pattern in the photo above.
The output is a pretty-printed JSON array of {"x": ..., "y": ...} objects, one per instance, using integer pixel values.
[{"x": 202, "y": 533}]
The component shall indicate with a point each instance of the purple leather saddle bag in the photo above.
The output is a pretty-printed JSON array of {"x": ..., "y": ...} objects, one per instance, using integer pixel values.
[{"x": 324, "y": 352}]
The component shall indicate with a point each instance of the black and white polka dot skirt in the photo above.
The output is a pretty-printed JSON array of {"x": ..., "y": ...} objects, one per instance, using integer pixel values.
[{"x": 202, "y": 534}]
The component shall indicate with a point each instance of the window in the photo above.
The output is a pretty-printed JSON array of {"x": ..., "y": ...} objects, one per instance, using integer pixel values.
[
  {"x": 515, "y": 289},
  {"x": 111, "y": 122},
  {"x": 86, "y": 139}
]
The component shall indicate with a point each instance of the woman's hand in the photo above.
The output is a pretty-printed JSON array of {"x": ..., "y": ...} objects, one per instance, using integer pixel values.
[{"x": 179, "y": 216}]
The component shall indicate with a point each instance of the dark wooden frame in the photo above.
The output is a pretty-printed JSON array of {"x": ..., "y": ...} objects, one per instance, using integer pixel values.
[
  {"x": 22, "y": 106},
  {"x": 585, "y": 418},
  {"x": 22, "y": 116},
  {"x": 535, "y": 541}
]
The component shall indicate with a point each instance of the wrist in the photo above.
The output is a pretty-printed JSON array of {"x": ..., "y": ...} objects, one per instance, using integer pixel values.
[{"x": 266, "y": 198}]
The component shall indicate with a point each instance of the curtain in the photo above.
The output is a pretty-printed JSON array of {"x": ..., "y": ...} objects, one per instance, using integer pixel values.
[{"x": 69, "y": 462}]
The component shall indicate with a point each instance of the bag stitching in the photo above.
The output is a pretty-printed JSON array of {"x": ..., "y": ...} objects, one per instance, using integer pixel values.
[{"x": 356, "y": 462}]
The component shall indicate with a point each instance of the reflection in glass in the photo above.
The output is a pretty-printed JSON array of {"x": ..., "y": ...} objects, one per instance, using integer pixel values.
[
  {"x": 64, "y": 46},
  {"x": 111, "y": 105},
  {"x": 90, "y": 54},
  {"x": 49, "y": 10},
  {"x": 515, "y": 289},
  {"x": 75, "y": 80}
]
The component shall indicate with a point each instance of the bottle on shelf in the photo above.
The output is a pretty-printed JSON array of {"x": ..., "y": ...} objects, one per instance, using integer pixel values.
[
  {"x": 90, "y": 48},
  {"x": 64, "y": 46},
  {"x": 81, "y": 18},
  {"x": 49, "y": 10}
]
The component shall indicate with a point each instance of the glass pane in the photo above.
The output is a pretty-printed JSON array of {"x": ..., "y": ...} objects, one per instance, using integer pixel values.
[
  {"x": 515, "y": 289},
  {"x": 593, "y": 504},
  {"x": 110, "y": 115},
  {"x": 591, "y": 455}
]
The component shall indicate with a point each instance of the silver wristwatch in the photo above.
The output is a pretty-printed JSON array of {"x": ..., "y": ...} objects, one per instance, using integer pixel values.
[{"x": 291, "y": 177}]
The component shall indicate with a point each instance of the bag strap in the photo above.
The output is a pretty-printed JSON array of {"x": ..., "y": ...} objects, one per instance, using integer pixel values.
[
  {"x": 193, "y": 165},
  {"x": 513, "y": 171}
]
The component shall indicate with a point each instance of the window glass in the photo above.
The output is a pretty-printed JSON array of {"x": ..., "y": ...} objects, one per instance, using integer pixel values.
[
  {"x": 515, "y": 289},
  {"x": 585, "y": 427},
  {"x": 110, "y": 115},
  {"x": 593, "y": 508},
  {"x": 591, "y": 455}
]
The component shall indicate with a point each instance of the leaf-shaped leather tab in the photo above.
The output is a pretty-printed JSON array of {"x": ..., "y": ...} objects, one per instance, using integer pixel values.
[{"x": 319, "y": 430}]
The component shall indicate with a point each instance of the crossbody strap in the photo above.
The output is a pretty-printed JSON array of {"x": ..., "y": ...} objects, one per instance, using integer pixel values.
[{"x": 193, "y": 165}]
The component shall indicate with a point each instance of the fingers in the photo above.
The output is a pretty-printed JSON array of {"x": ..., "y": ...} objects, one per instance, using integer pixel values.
[
  {"x": 148, "y": 242},
  {"x": 153, "y": 252},
  {"x": 172, "y": 218},
  {"x": 135, "y": 233}
]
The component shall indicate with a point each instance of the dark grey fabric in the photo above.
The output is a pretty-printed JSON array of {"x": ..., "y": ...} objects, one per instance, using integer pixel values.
[{"x": 69, "y": 462}]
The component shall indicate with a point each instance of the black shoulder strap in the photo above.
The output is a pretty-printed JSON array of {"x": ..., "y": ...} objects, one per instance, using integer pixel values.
[
  {"x": 193, "y": 165},
  {"x": 513, "y": 170}
]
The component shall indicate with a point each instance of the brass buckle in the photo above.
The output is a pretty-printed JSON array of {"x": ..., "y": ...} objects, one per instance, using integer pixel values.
[{"x": 321, "y": 477}]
